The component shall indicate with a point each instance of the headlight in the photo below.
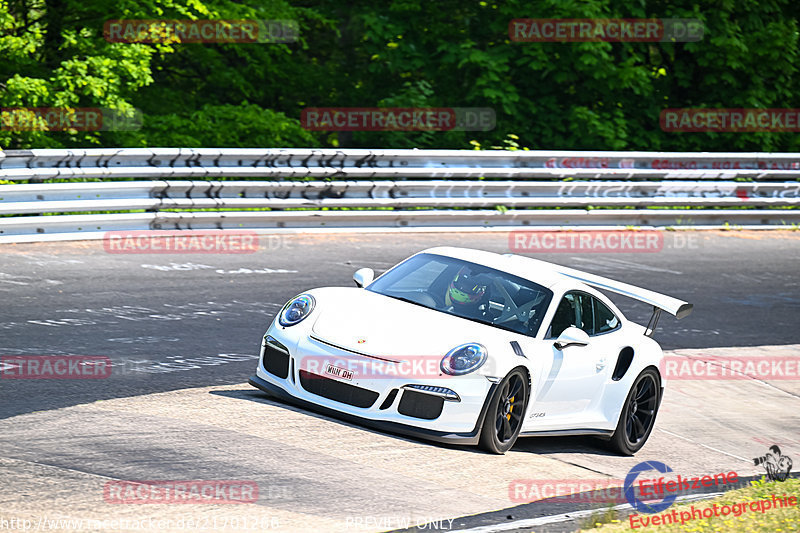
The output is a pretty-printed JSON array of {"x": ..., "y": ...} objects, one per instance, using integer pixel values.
[
  {"x": 464, "y": 359},
  {"x": 296, "y": 310}
]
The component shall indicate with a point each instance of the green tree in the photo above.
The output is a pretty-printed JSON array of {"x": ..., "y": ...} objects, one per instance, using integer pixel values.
[
  {"x": 401, "y": 53},
  {"x": 54, "y": 55}
]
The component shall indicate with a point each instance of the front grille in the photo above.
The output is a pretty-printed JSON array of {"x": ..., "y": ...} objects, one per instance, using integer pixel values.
[
  {"x": 336, "y": 390},
  {"x": 276, "y": 358},
  {"x": 420, "y": 405}
]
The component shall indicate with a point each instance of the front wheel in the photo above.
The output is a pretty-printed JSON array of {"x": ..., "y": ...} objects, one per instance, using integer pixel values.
[
  {"x": 504, "y": 415},
  {"x": 638, "y": 414}
]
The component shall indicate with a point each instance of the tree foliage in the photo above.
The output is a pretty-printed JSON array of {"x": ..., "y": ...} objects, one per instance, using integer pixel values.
[{"x": 400, "y": 53}]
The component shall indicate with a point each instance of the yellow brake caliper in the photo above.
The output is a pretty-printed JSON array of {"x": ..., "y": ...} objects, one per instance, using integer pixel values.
[{"x": 510, "y": 408}]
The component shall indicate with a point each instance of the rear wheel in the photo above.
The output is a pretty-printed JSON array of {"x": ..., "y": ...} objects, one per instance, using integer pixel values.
[
  {"x": 638, "y": 414},
  {"x": 504, "y": 416}
]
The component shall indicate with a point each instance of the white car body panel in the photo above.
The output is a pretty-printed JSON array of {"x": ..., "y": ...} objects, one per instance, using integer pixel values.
[
  {"x": 424, "y": 331},
  {"x": 572, "y": 390}
]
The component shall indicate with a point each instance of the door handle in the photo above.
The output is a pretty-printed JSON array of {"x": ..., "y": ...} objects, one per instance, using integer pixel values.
[{"x": 601, "y": 364}]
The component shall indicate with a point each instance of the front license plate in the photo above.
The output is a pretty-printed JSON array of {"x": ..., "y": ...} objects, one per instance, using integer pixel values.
[{"x": 338, "y": 372}]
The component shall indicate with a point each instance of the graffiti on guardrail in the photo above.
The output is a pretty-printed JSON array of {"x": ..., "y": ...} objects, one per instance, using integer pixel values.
[
  {"x": 429, "y": 160},
  {"x": 385, "y": 188}
]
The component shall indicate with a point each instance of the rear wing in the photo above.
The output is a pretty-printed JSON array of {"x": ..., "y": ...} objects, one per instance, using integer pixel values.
[{"x": 660, "y": 302}]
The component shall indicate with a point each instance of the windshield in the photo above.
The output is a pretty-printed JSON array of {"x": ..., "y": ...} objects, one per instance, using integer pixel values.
[{"x": 467, "y": 290}]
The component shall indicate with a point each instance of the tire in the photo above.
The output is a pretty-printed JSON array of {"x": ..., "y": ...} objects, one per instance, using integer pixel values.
[
  {"x": 505, "y": 414},
  {"x": 638, "y": 414}
]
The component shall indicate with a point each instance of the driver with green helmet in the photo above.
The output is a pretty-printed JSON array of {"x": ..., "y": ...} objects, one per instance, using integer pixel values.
[{"x": 466, "y": 292}]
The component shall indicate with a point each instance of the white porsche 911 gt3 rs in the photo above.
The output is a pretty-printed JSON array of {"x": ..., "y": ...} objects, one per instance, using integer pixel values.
[{"x": 472, "y": 347}]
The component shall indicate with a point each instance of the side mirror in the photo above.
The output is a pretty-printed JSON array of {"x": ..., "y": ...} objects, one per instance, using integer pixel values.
[
  {"x": 363, "y": 277},
  {"x": 571, "y": 336}
]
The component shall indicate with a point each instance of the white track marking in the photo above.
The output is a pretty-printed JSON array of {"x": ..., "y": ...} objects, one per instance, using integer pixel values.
[{"x": 706, "y": 446}]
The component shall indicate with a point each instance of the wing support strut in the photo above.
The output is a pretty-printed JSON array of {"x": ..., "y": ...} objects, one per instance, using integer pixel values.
[{"x": 653, "y": 322}]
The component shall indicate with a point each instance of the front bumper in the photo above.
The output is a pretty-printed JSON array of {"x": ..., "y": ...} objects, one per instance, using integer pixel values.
[{"x": 378, "y": 401}]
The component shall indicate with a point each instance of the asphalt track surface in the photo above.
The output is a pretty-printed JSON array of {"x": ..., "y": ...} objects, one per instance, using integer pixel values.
[{"x": 183, "y": 330}]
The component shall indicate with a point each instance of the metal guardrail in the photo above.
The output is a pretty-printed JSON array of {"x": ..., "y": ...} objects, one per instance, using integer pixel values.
[
  {"x": 161, "y": 195},
  {"x": 396, "y": 188},
  {"x": 293, "y": 160}
]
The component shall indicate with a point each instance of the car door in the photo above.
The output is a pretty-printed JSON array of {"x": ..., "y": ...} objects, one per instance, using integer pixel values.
[{"x": 571, "y": 387}]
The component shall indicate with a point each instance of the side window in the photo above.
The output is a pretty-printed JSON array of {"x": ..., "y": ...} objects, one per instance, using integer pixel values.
[
  {"x": 605, "y": 319},
  {"x": 568, "y": 314},
  {"x": 586, "y": 315},
  {"x": 584, "y": 312},
  {"x": 565, "y": 316}
]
